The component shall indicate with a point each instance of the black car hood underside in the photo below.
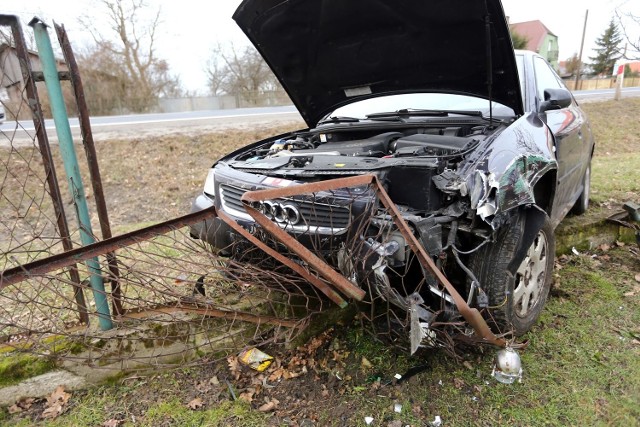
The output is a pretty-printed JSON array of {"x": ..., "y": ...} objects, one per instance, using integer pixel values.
[{"x": 326, "y": 53}]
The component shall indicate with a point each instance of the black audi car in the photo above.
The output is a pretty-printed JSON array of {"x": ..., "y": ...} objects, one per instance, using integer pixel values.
[{"x": 482, "y": 148}]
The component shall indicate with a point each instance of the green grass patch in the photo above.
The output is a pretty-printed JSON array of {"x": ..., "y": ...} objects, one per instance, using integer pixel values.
[{"x": 228, "y": 413}]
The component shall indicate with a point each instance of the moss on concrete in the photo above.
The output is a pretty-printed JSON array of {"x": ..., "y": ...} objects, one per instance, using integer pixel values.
[{"x": 15, "y": 367}]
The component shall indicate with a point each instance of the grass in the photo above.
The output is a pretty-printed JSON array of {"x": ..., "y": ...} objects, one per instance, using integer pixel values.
[
  {"x": 616, "y": 170},
  {"x": 93, "y": 410},
  {"x": 582, "y": 366}
]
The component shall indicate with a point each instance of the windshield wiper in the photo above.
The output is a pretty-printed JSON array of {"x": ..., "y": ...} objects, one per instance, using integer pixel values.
[
  {"x": 339, "y": 119},
  {"x": 409, "y": 112}
]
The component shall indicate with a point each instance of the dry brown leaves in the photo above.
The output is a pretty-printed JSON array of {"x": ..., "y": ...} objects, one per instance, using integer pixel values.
[
  {"x": 56, "y": 403},
  {"x": 195, "y": 404},
  {"x": 21, "y": 405},
  {"x": 251, "y": 384},
  {"x": 458, "y": 383},
  {"x": 269, "y": 406}
]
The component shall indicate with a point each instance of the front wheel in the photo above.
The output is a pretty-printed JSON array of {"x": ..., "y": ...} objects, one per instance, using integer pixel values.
[{"x": 516, "y": 300}]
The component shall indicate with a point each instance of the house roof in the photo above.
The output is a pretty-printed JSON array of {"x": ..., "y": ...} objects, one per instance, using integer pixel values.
[{"x": 533, "y": 31}]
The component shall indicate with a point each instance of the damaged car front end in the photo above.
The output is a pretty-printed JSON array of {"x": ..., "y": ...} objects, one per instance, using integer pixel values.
[{"x": 430, "y": 180}]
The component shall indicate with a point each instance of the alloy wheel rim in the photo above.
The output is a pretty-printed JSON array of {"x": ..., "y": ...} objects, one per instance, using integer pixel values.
[{"x": 531, "y": 277}]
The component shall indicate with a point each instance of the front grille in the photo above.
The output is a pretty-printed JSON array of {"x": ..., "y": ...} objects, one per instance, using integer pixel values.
[{"x": 319, "y": 214}]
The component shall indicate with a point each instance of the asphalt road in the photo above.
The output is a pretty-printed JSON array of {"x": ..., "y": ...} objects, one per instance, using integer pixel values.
[
  {"x": 604, "y": 94},
  {"x": 140, "y": 125},
  {"x": 144, "y": 125}
]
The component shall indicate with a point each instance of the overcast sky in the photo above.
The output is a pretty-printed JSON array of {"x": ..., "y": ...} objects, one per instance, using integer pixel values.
[{"x": 191, "y": 27}]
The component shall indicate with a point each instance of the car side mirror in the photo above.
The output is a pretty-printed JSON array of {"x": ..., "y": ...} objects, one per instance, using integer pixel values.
[{"x": 555, "y": 99}]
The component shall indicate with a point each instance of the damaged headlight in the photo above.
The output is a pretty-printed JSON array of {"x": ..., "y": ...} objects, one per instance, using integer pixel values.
[{"x": 210, "y": 184}]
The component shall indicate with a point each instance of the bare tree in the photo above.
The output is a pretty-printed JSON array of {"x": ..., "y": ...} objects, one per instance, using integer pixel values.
[
  {"x": 630, "y": 24},
  {"x": 240, "y": 72},
  {"x": 572, "y": 64},
  {"x": 129, "y": 49}
]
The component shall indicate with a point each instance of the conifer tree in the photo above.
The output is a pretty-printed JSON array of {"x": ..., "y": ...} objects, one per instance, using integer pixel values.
[{"x": 608, "y": 50}]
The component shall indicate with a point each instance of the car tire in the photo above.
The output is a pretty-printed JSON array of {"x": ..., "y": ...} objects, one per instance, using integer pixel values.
[
  {"x": 582, "y": 204},
  {"x": 516, "y": 301}
]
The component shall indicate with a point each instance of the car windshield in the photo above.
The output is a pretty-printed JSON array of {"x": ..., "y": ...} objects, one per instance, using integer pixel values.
[{"x": 419, "y": 101}]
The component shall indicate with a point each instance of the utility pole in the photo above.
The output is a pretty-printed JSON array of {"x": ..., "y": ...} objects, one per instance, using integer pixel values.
[{"x": 584, "y": 31}]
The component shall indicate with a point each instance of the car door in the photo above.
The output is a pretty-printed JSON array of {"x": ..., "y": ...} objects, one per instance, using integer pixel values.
[{"x": 566, "y": 126}]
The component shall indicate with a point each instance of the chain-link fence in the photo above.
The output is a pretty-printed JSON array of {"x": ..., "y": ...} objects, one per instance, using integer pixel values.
[
  {"x": 32, "y": 223},
  {"x": 178, "y": 300}
]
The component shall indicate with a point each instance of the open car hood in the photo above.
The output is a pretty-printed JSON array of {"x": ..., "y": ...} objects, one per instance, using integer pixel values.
[{"x": 327, "y": 53}]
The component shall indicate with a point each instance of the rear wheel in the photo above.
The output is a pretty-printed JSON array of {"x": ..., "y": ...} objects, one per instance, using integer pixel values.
[
  {"x": 582, "y": 204},
  {"x": 516, "y": 300}
]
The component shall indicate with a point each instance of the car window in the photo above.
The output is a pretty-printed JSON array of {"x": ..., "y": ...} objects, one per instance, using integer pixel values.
[
  {"x": 431, "y": 101},
  {"x": 546, "y": 78}
]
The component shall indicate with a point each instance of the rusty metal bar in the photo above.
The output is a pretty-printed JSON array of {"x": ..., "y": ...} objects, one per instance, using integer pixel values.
[
  {"x": 47, "y": 160},
  {"x": 323, "y": 287},
  {"x": 340, "y": 282},
  {"x": 92, "y": 160},
  {"x": 56, "y": 262}
]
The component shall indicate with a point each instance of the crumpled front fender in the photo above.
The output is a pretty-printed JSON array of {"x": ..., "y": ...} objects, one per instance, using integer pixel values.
[{"x": 503, "y": 173}]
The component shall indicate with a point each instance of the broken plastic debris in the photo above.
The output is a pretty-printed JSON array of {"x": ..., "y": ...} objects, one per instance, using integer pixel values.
[
  {"x": 255, "y": 359},
  {"x": 437, "y": 422},
  {"x": 368, "y": 420},
  {"x": 397, "y": 408}
]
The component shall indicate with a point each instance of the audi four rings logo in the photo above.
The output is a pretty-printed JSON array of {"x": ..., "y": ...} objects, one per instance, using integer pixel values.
[{"x": 283, "y": 213}]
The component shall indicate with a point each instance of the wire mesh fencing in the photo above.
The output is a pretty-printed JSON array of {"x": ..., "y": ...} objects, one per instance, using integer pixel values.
[
  {"x": 257, "y": 270},
  {"x": 32, "y": 217},
  {"x": 178, "y": 299}
]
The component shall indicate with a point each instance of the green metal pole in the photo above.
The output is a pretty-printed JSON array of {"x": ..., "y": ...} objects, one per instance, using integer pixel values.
[{"x": 71, "y": 167}]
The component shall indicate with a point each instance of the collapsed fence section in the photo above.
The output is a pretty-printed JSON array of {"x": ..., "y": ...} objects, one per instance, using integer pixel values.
[
  {"x": 272, "y": 266},
  {"x": 179, "y": 300}
]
